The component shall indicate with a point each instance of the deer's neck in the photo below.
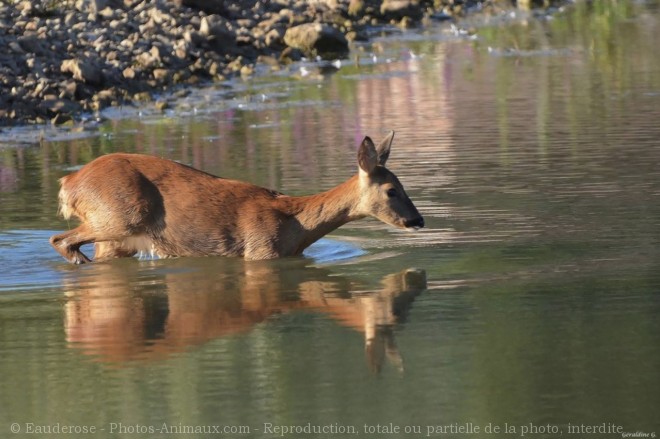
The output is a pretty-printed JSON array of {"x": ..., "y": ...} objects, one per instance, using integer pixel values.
[{"x": 317, "y": 215}]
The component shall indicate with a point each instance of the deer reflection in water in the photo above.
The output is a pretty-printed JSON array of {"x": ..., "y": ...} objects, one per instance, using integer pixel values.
[{"x": 121, "y": 311}]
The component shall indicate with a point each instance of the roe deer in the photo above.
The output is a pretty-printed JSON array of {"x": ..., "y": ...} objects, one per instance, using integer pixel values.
[{"x": 130, "y": 203}]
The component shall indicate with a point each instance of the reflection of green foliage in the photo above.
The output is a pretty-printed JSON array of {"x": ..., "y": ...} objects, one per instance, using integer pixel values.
[
  {"x": 605, "y": 28},
  {"x": 601, "y": 27},
  {"x": 603, "y": 45}
]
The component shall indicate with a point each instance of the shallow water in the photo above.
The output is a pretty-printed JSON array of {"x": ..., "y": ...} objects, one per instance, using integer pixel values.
[{"x": 531, "y": 299}]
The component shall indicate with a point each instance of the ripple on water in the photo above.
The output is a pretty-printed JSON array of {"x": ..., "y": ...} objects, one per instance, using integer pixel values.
[
  {"x": 26, "y": 260},
  {"x": 23, "y": 250}
]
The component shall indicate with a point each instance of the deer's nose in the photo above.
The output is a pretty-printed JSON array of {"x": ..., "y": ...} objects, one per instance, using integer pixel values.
[{"x": 416, "y": 223}]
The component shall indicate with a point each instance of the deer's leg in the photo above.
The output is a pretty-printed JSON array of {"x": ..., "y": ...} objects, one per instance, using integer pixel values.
[
  {"x": 112, "y": 249},
  {"x": 68, "y": 244},
  {"x": 107, "y": 246}
]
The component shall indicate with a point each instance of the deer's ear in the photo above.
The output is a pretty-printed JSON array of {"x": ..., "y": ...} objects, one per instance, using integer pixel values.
[
  {"x": 383, "y": 148},
  {"x": 367, "y": 156}
]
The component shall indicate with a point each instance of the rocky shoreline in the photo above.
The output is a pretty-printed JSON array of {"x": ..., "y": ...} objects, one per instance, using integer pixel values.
[{"x": 65, "y": 58}]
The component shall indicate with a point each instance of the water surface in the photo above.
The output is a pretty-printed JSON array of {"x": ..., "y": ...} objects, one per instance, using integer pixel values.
[{"x": 531, "y": 147}]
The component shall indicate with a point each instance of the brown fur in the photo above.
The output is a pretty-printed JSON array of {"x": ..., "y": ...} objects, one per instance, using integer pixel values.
[{"x": 130, "y": 203}]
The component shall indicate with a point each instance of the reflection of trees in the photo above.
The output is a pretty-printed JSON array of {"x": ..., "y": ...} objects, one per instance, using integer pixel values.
[
  {"x": 584, "y": 66},
  {"x": 8, "y": 179},
  {"x": 108, "y": 317}
]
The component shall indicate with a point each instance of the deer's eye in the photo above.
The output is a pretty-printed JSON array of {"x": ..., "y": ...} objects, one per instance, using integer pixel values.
[{"x": 391, "y": 192}]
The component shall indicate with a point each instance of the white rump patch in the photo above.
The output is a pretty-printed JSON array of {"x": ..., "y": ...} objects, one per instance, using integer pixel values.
[{"x": 64, "y": 207}]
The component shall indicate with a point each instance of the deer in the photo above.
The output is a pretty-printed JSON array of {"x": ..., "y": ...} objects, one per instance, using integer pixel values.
[{"x": 135, "y": 203}]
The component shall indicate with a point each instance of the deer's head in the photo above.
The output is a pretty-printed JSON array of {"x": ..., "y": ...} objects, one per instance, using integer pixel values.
[{"x": 382, "y": 194}]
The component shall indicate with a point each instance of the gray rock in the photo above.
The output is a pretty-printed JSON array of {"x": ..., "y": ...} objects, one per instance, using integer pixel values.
[
  {"x": 316, "y": 39},
  {"x": 160, "y": 17},
  {"x": 82, "y": 70},
  {"x": 69, "y": 89},
  {"x": 33, "y": 44},
  {"x": 24, "y": 6},
  {"x": 208, "y": 6},
  {"x": 218, "y": 34},
  {"x": 149, "y": 59},
  {"x": 290, "y": 55},
  {"x": 214, "y": 25},
  {"x": 57, "y": 106},
  {"x": 332, "y": 4},
  {"x": 274, "y": 38},
  {"x": 398, "y": 9},
  {"x": 129, "y": 73},
  {"x": 15, "y": 47},
  {"x": 161, "y": 74},
  {"x": 356, "y": 7},
  {"x": 287, "y": 15},
  {"x": 91, "y": 6},
  {"x": 60, "y": 119},
  {"x": 182, "y": 49},
  {"x": 162, "y": 105},
  {"x": 273, "y": 20}
]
